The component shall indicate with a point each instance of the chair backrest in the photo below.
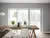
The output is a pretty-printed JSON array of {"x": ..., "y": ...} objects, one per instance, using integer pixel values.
[{"x": 24, "y": 33}]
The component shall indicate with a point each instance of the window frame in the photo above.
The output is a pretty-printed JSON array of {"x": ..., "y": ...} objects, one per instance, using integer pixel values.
[{"x": 41, "y": 15}]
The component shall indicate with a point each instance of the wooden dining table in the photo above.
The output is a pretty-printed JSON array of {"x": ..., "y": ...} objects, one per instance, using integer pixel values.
[{"x": 32, "y": 27}]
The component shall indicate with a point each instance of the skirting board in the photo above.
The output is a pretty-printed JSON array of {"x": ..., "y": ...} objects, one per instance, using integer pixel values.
[{"x": 46, "y": 32}]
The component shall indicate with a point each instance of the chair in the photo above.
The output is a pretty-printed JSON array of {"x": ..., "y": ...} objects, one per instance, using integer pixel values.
[
  {"x": 24, "y": 33},
  {"x": 9, "y": 35},
  {"x": 17, "y": 34}
]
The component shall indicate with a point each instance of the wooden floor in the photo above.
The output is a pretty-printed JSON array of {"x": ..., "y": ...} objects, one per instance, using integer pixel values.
[{"x": 42, "y": 35}]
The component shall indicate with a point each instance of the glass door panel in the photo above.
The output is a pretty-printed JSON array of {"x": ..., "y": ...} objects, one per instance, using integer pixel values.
[
  {"x": 12, "y": 16},
  {"x": 23, "y": 16},
  {"x": 35, "y": 17}
]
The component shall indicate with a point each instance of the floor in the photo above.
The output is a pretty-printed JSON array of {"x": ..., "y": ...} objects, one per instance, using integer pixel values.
[{"x": 42, "y": 35}]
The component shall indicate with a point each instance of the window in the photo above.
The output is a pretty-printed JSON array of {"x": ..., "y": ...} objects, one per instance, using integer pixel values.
[
  {"x": 31, "y": 16},
  {"x": 35, "y": 17},
  {"x": 12, "y": 14},
  {"x": 19, "y": 15},
  {"x": 23, "y": 16}
]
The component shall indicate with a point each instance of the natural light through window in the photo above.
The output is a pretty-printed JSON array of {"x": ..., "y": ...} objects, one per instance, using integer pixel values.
[
  {"x": 31, "y": 16},
  {"x": 12, "y": 16},
  {"x": 23, "y": 16},
  {"x": 35, "y": 17}
]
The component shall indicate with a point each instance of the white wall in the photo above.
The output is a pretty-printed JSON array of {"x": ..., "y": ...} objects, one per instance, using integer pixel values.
[
  {"x": 49, "y": 16},
  {"x": 0, "y": 10}
]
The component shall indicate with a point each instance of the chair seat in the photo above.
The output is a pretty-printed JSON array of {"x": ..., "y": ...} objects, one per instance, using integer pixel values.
[{"x": 24, "y": 33}]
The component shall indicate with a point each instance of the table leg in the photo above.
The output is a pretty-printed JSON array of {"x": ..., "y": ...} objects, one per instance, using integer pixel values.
[{"x": 33, "y": 32}]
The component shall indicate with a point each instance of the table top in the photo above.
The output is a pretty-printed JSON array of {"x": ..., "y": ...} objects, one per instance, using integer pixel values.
[{"x": 33, "y": 27}]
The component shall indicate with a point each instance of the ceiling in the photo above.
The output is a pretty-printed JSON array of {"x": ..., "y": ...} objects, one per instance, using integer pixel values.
[{"x": 24, "y": 1}]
